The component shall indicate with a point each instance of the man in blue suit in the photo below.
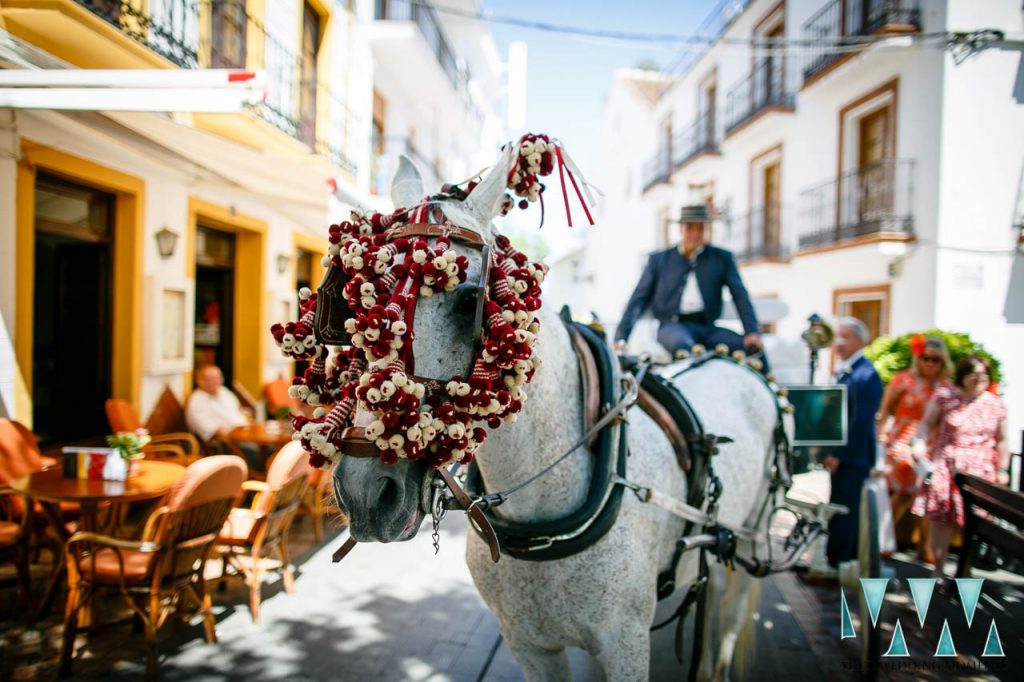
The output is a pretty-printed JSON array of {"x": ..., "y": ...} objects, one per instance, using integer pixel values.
[
  {"x": 851, "y": 464},
  {"x": 682, "y": 285}
]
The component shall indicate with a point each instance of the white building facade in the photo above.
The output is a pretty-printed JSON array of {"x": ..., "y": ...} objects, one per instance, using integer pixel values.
[
  {"x": 882, "y": 183},
  {"x": 439, "y": 93}
]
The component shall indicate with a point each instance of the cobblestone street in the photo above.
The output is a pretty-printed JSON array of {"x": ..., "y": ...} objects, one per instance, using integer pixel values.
[{"x": 397, "y": 612}]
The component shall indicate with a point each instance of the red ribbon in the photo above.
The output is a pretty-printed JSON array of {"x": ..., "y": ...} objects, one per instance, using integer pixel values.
[
  {"x": 561, "y": 177},
  {"x": 565, "y": 196}
]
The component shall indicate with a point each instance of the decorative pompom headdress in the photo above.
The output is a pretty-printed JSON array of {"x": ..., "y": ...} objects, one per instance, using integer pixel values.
[{"x": 384, "y": 277}]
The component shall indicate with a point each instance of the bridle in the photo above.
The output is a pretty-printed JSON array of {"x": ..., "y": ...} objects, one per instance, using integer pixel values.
[{"x": 354, "y": 440}]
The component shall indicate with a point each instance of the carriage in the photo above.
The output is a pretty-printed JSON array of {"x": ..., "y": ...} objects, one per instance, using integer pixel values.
[{"x": 642, "y": 478}]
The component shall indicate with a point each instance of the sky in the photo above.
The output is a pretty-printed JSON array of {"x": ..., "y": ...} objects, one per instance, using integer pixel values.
[{"x": 569, "y": 77}]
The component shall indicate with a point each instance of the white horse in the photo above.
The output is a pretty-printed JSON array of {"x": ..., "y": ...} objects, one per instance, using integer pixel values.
[{"x": 602, "y": 599}]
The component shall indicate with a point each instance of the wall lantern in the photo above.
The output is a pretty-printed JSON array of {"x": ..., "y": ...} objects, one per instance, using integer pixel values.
[
  {"x": 166, "y": 240},
  {"x": 283, "y": 262}
]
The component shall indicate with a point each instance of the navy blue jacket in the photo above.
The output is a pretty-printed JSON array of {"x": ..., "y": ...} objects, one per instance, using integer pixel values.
[
  {"x": 863, "y": 397},
  {"x": 661, "y": 288}
]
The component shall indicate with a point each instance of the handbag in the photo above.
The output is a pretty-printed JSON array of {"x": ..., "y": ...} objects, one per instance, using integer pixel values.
[{"x": 886, "y": 527}]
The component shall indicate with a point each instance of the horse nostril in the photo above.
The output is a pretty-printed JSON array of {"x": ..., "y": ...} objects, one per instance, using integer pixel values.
[{"x": 387, "y": 493}]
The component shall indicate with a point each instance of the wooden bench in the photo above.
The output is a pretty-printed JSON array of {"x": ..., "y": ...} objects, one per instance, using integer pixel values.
[{"x": 1004, "y": 505}]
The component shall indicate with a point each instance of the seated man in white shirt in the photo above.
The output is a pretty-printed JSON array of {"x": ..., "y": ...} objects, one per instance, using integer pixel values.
[{"x": 213, "y": 411}]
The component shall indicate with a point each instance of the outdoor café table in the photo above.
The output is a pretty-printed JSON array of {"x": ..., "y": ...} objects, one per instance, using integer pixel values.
[
  {"x": 146, "y": 481},
  {"x": 268, "y": 437}
]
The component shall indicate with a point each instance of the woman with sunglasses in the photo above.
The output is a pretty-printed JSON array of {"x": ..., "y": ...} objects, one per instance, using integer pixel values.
[
  {"x": 903, "y": 405},
  {"x": 967, "y": 429}
]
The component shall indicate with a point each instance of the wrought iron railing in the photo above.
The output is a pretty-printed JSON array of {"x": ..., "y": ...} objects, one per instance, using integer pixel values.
[
  {"x": 171, "y": 28},
  {"x": 711, "y": 28},
  {"x": 697, "y": 139},
  {"x": 657, "y": 169},
  {"x": 872, "y": 199},
  {"x": 765, "y": 86},
  {"x": 850, "y": 18},
  {"x": 426, "y": 20},
  {"x": 172, "y": 31},
  {"x": 758, "y": 234}
]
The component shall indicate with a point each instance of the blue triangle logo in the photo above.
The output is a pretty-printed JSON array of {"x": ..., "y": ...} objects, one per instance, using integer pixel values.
[
  {"x": 945, "y": 647},
  {"x": 846, "y": 625},
  {"x": 970, "y": 591},
  {"x": 874, "y": 594},
  {"x": 993, "y": 646},
  {"x": 898, "y": 646},
  {"x": 921, "y": 589}
]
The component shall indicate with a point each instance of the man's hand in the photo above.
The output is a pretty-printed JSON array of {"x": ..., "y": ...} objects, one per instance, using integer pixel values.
[
  {"x": 753, "y": 341},
  {"x": 831, "y": 463},
  {"x": 619, "y": 345}
]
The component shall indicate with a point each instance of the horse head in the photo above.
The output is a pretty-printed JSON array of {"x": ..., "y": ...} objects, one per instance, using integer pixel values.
[{"x": 388, "y": 502}]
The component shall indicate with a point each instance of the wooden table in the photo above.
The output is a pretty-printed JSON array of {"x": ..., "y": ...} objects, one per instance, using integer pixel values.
[
  {"x": 267, "y": 440},
  {"x": 146, "y": 481}
]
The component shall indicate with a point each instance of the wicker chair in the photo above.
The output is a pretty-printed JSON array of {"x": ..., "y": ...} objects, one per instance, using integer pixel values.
[
  {"x": 254, "y": 532},
  {"x": 182, "y": 448},
  {"x": 167, "y": 563}
]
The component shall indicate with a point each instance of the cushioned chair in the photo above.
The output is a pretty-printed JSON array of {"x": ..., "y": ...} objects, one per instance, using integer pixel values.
[
  {"x": 152, "y": 574},
  {"x": 15, "y": 534},
  {"x": 20, "y": 456},
  {"x": 182, "y": 447},
  {"x": 252, "y": 533},
  {"x": 275, "y": 394}
]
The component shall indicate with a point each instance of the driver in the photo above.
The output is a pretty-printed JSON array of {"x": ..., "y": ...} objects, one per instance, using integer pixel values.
[{"x": 683, "y": 287}]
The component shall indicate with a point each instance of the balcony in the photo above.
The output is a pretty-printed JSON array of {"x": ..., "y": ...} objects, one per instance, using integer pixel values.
[
  {"x": 409, "y": 40},
  {"x": 763, "y": 90},
  {"x": 295, "y": 95},
  {"x": 657, "y": 169},
  {"x": 853, "y": 18},
  {"x": 700, "y": 138},
  {"x": 874, "y": 200},
  {"x": 757, "y": 236}
]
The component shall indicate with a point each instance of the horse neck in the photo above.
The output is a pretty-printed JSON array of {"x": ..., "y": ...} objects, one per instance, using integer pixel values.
[{"x": 549, "y": 424}]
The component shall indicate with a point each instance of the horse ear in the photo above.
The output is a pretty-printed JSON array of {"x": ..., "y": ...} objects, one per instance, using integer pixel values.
[
  {"x": 407, "y": 187},
  {"x": 484, "y": 202}
]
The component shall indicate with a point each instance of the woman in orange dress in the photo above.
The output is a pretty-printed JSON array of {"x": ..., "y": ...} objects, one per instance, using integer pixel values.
[
  {"x": 903, "y": 405},
  {"x": 968, "y": 428}
]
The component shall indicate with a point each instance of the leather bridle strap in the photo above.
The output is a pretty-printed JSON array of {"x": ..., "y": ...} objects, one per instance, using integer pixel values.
[
  {"x": 473, "y": 511},
  {"x": 430, "y": 230},
  {"x": 342, "y": 551}
]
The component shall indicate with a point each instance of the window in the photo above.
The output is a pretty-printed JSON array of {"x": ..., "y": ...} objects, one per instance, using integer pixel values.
[
  {"x": 868, "y": 304},
  {"x": 308, "y": 72},
  {"x": 227, "y": 35}
]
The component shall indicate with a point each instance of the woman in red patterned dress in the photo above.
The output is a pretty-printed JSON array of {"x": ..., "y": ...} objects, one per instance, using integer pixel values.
[
  {"x": 904, "y": 400},
  {"x": 968, "y": 433}
]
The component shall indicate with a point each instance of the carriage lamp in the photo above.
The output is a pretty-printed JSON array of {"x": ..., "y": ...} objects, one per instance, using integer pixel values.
[
  {"x": 283, "y": 261},
  {"x": 166, "y": 240},
  {"x": 818, "y": 335}
]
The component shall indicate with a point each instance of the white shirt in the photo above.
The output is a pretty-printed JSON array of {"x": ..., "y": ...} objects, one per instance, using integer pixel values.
[
  {"x": 692, "y": 301},
  {"x": 206, "y": 414},
  {"x": 846, "y": 366}
]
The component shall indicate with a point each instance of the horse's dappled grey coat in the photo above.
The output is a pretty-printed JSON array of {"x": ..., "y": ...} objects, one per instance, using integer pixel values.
[{"x": 603, "y": 599}]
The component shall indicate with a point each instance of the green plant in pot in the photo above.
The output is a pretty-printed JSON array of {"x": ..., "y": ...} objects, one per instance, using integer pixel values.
[
  {"x": 130, "y": 443},
  {"x": 895, "y": 354}
]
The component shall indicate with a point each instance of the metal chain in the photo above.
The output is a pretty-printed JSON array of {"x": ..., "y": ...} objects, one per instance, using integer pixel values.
[{"x": 437, "y": 512}]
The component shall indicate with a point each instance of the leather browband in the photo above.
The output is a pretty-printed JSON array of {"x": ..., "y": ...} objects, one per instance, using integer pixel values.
[
  {"x": 355, "y": 444},
  {"x": 431, "y": 230}
]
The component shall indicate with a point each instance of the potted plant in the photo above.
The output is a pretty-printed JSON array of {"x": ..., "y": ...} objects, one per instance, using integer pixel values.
[{"x": 130, "y": 443}]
